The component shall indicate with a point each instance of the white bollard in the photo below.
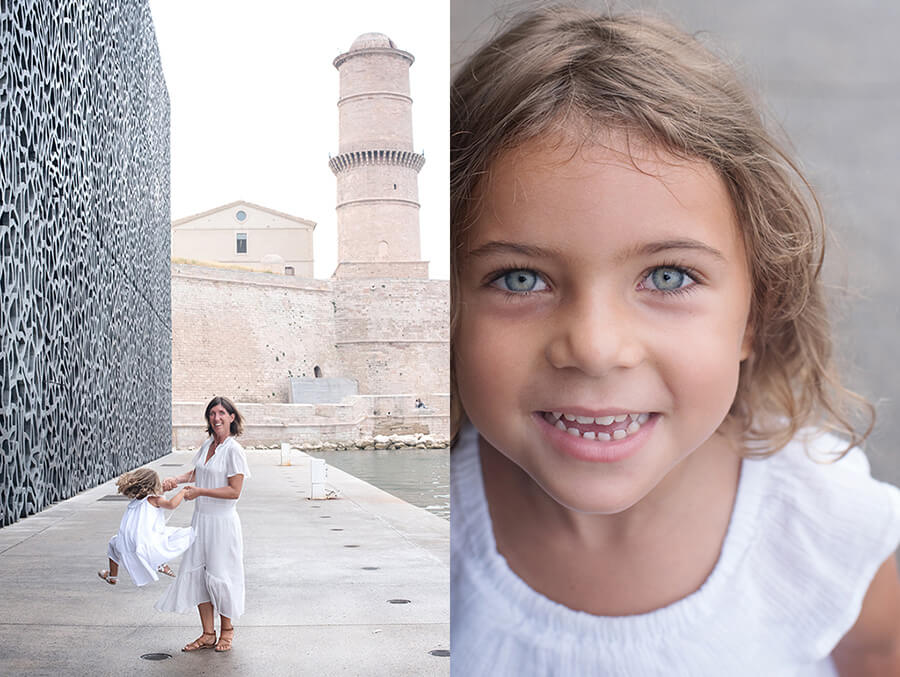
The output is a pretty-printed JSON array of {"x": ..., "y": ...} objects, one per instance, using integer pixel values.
[
  {"x": 285, "y": 453},
  {"x": 318, "y": 474}
]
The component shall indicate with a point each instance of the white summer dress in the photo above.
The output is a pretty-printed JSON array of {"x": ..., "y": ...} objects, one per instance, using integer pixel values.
[
  {"x": 804, "y": 542},
  {"x": 212, "y": 569},
  {"x": 144, "y": 542}
]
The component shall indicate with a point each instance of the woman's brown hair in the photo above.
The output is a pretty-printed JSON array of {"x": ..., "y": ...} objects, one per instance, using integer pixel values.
[{"x": 562, "y": 68}]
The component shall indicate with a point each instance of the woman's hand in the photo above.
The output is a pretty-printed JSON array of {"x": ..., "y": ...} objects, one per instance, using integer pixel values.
[
  {"x": 190, "y": 493},
  {"x": 169, "y": 483}
]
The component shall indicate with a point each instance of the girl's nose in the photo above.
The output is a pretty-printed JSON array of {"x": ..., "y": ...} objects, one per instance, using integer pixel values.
[{"x": 596, "y": 338}]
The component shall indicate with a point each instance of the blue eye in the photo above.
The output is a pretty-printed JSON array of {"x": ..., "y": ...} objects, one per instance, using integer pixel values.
[
  {"x": 668, "y": 279},
  {"x": 520, "y": 281}
]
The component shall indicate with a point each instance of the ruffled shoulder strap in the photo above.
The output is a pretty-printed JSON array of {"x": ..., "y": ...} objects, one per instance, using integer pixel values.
[
  {"x": 825, "y": 527},
  {"x": 236, "y": 459}
]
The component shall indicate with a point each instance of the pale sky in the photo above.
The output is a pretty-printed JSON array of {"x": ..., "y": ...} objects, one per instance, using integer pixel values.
[{"x": 253, "y": 96}]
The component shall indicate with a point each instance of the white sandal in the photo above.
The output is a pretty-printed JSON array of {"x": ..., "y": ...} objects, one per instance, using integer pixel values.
[
  {"x": 104, "y": 574},
  {"x": 166, "y": 570}
]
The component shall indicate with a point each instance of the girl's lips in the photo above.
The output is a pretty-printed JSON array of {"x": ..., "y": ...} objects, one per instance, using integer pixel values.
[{"x": 594, "y": 441}]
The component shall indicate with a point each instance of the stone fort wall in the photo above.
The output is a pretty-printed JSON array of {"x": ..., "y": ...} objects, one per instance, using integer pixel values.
[{"x": 245, "y": 334}]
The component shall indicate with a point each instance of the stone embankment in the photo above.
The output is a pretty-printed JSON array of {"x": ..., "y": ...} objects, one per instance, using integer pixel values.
[{"x": 417, "y": 441}]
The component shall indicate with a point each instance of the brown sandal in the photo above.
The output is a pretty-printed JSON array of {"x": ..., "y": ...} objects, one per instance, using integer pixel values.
[
  {"x": 196, "y": 645},
  {"x": 224, "y": 643}
]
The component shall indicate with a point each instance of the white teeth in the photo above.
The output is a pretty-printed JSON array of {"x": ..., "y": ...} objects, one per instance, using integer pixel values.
[{"x": 635, "y": 421}]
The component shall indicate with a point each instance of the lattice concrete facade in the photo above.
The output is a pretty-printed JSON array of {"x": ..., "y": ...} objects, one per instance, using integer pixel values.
[
  {"x": 85, "y": 351},
  {"x": 376, "y": 169}
]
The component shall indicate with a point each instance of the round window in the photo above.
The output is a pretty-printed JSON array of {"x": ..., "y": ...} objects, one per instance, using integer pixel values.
[{"x": 241, "y": 215}]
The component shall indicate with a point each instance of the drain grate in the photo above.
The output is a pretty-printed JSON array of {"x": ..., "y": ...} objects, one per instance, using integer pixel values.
[
  {"x": 371, "y": 568},
  {"x": 351, "y": 546},
  {"x": 440, "y": 652},
  {"x": 337, "y": 529},
  {"x": 324, "y": 517},
  {"x": 156, "y": 656},
  {"x": 114, "y": 497},
  {"x": 171, "y": 465},
  {"x": 398, "y": 601}
]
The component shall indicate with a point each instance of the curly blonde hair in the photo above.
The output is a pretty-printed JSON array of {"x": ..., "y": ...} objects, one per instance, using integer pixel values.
[
  {"x": 139, "y": 483},
  {"x": 561, "y": 67}
]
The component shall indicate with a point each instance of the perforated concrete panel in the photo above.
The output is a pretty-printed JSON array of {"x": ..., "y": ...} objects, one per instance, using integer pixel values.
[{"x": 85, "y": 348}]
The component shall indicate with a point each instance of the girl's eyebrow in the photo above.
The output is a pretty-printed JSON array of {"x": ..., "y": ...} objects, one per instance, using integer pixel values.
[
  {"x": 664, "y": 245},
  {"x": 505, "y": 247}
]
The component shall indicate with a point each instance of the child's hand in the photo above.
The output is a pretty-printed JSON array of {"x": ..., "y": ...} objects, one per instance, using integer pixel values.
[
  {"x": 169, "y": 483},
  {"x": 190, "y": 493}
]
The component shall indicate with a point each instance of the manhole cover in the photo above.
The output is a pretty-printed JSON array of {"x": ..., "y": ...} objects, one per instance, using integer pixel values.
[
  {"x": 440, "y": 652},
  {"x": 398, "y": 601},
  {"x": 155, "y": 656}
]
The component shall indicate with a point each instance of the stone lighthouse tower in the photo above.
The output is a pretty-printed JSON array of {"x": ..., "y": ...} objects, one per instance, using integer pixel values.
[{"x": 376, "y": 168}]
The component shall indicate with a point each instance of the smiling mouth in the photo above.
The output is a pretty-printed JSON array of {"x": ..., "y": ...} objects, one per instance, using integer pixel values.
[{"x": 600, "y": 428}]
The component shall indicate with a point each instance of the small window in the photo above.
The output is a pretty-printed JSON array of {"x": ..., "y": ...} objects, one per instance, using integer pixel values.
[
  {"x": 242, "y": 243},
  {"x": 241, "y": 215}
]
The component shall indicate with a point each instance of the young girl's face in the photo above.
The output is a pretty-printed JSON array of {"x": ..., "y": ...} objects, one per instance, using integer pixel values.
[{"x": 604, "y": 305}]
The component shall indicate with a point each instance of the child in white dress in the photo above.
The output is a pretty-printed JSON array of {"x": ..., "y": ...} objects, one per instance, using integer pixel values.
[
  {"x": 144, "y": 544},
  {"x": 641, "y": 482}
]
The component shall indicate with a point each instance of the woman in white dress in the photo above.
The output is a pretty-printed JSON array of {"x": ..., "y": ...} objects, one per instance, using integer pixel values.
[{"x": 212, "y": 570}]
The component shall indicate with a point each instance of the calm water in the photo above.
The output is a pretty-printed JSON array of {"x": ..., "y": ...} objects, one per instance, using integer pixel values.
[{"x": 418, "y": 476}]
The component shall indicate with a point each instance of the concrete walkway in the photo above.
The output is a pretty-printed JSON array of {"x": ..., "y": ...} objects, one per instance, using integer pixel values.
[{"x": 319, "y": 575}]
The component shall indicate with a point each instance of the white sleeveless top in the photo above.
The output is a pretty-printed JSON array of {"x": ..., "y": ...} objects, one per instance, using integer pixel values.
[{"x": 804, "y": 542}]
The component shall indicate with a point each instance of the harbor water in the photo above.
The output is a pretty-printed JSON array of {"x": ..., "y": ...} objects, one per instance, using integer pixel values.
[{"x": 417, "y": 476}]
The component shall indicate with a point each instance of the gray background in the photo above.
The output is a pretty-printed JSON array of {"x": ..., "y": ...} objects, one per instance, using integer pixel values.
[{"x": 829, "y": 74}]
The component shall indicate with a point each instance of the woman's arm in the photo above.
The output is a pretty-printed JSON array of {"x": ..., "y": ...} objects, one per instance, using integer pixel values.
[
  {"x": 872, "y": 646},
  {"x": 232, "y": 490},
  {"x": 168, "y": 504}
]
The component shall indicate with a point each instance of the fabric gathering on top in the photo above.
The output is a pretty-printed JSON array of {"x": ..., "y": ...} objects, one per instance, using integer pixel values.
[{"x": 803, "y": 544}]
